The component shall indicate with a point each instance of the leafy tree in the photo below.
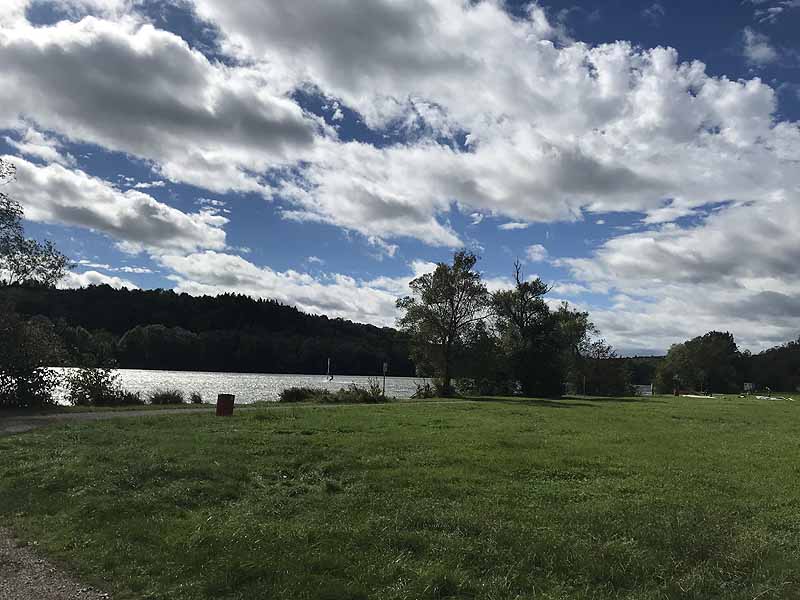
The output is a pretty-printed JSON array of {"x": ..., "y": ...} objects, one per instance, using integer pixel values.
[
  {"x": 24, "y": 260},
  {"x": 707, "y": 363},
  {"x": 27, "y": 349},
  {"x": 529, "y": 334},
  {"x": 575, "y": 331},
  {"x": 777, "y": 368},
  {"x": 444, "y": 306}
]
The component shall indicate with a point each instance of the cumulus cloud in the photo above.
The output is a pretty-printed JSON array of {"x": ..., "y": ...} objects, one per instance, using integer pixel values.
[
  {"x": 135, "y": 220},
  {"x": 536, "y": 253},
  {"x": 736, "y": 270},
  {"x": 130, "y": 87},
  {"x": 614, "y": 128},
  {"x": 562, "y": 129},
  {"x": 78, "y": 280},
  {"x": 333, "y": 294}
]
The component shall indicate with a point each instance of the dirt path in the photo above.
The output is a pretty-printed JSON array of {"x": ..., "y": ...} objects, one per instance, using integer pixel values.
[
  {"x": 10, "y": 425},
  {"x": 26, "y": 576},
  {"x": 21, "y": 424}
]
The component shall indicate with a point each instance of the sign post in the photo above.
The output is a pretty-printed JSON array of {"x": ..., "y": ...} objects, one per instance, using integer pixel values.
[{"x": 385, "y": 370}]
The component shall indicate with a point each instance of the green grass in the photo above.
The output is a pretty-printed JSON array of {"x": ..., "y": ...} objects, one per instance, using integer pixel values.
[{"x": 500, "y": 499}]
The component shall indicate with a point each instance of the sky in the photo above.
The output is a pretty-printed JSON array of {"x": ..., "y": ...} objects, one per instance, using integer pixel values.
[{"x": 641, "y": 157}]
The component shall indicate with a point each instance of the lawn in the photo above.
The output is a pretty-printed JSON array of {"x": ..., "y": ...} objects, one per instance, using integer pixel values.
[{"x": 648, "y": 498}]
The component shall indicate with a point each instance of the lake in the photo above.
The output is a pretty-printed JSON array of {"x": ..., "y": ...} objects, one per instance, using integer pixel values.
[{"x": 250, "y": 387}]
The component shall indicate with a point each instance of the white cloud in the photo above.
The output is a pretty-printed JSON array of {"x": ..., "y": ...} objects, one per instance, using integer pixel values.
[
  {"x": 512, "y": 225},
  {"x": 136, "y": 89},
  {"x": 735, "y": 271},
  {"x": 335, "y": 295},
  {"x": 143, "y": 185},
  {"x": 563, "y": 129},
  {"x": 78, "y": 280},
  {"x": 38, "y": 145},
  {"x": 53, "y": 194},
  {"x": 757, "y": 48},
  {"x": 536, "y": 253}
]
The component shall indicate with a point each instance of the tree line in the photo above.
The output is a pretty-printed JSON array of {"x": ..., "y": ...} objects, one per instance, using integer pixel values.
[{"x": 159, "y": 329}]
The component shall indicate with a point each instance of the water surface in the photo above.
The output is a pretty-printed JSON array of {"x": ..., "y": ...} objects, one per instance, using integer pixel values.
[{"x": 250, "y": 387}]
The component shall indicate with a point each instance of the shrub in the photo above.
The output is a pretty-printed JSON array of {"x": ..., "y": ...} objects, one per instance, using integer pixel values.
[
  {"x": 167, "y": 396},
  {"x": 424, "y": 390},
  {"x": 126, "y": 398},
  {"x": 98, "y": 387},
  {"x": 352, "y": 394},
  {"x": 196, "y": 398},
  {"x": 302, "y": 394},
  {"x": 355, "y": 394},
  {"x": 90, "y": 387}
]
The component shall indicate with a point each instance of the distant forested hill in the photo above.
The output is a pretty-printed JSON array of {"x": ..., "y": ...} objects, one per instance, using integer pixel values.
[{"x": 159, "y": 329}]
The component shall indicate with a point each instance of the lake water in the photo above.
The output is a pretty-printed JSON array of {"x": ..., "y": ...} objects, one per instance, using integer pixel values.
[{"x": 250, "y": 387}]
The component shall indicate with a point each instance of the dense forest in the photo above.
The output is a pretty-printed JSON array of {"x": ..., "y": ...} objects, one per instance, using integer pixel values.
[{"x": 159, "y": 329}]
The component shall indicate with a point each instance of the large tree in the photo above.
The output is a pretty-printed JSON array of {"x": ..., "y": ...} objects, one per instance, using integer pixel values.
[
  {"x": 530, "y": 335},
  {"x": 24, "y": 260},
  {"x": 707, "y": 363},
  {"x": 443, "y": 307}
]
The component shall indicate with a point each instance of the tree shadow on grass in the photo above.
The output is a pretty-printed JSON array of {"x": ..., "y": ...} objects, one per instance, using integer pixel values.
[
  {"x": 565, "y": 401},
  {"x": 547, "y": 403}
]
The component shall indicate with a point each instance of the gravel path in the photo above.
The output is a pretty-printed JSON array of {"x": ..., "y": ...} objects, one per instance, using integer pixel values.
[{"x": 25, "y": 576}]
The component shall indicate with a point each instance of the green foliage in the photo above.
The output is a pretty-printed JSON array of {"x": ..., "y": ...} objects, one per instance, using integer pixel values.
[
  {"x": 352, "y": 394},
  {"x": 442, "y": 309},
  {"x": 667, "y": 498},
  {"x": 167, "y": 396},
  {"x": 602, "y": 373},
  {"x": 98, "y": 386},
  {"x": 24, "y": 260},
  {"x": 777, "y": 368},
  {"x": 708, "y": 363},
  {"x": 196, "y": 398},
  {"x": 355, "y": 394},
  {"x": 530, "y": 338},
  {"x": 301, "y": 394},
  {"x": 27, "y": 349}
]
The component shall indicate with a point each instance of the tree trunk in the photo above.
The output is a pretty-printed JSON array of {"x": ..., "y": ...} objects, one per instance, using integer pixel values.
[{"x": 446, "y": 371}]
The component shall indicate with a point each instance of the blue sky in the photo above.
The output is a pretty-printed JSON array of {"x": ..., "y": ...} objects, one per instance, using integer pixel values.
[{"x": 640, "y": 156}]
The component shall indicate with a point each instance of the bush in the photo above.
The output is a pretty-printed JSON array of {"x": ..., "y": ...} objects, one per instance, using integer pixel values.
[
  {"x": 168, "y": 396},
  {"x": 27, "y": 349},
  {"x": 302, "y": 394},
  {"x": 355, "y": 394},
  {"x": 424, "y": 390},
  {"x": 98, "y": 387},
  {"x": 92, "y": 387},
  {"x": 352, "y": 394},
  {"x": 196, "y": 398},
  {"x": 486, "y": 387},
  {"x": 126, "y": 398}
]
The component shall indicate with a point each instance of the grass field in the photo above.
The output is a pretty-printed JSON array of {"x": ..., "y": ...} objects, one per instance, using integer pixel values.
[{"x": 648, "y": 498}]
